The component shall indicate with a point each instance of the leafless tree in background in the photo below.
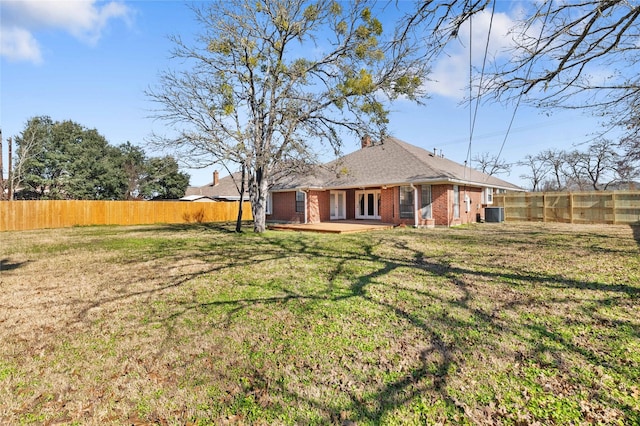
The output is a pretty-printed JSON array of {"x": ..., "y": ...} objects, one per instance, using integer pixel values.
[{"x": 491, "y": 164}]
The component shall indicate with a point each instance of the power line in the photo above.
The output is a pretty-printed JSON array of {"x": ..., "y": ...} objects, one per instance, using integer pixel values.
[
  {"x": 515, "y": 110},
  {"x": 472, "y": 119}
]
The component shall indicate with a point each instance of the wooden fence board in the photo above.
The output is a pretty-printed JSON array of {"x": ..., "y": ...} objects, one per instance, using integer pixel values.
[
  {"x": 25, "y": 215},
  {"x": 606, "y": 207}
]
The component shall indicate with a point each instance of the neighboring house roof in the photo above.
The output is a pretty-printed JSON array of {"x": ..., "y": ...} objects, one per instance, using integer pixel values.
[
  {"x": 392, "y": 162},
  {"x": 223, "y": 189},
  {"x": 196, "y": 198}
]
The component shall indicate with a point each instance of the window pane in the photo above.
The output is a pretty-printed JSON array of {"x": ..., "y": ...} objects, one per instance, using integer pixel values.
[
  {"x": 426, "y": 202},
  {"x": 299, "y": 202},
  {"x": 406, "y": 202},
  {"x": 370, "y": 205},
  {"x": 456, "y": 202}
]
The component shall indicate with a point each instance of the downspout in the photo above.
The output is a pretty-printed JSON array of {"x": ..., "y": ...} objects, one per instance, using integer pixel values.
[
  {"x": 306, "y": 206},
  {"x": 415, "y": 205}
]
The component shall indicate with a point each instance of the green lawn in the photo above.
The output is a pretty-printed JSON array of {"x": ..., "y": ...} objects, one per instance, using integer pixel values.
[{"x": 488, "y": 324}]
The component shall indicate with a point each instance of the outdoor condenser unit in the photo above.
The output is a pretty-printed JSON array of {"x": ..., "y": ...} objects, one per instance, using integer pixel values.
[{"x": 494, "y": 214}]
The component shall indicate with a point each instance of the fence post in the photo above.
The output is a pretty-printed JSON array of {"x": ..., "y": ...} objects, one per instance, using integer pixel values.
[
  {"x": 570, "y": 202},
  {"x": 613, "y": 208}
]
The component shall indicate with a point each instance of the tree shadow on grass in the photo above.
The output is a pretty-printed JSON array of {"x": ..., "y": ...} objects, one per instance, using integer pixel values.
[
  {"x": 8, "y": 265},
  {"x": 636, "y": 232},
  {"x": 221, "y": 227},
  {"x": 444, "y": 341}
]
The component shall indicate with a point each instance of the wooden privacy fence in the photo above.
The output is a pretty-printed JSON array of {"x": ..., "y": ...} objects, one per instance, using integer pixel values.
[
  {"x": 612, "y": 207},
  {"x": 23, "y": 215}
]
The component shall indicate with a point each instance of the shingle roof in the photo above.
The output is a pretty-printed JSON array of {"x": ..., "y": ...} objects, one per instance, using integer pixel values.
[
  {"x": 225, "y": 189},
  {"x": 392, "y": 162}
]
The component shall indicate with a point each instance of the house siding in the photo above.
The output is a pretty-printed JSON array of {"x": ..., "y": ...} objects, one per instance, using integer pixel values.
[
  {"x": 442, "y": 205},
  {"x": 284, "y": 208},
  {"x": 475, "y": 207},
  {"x": 318, "y": 206},
  {"x": 351, "y": 204},
  {"x": 387, "y": 205}
]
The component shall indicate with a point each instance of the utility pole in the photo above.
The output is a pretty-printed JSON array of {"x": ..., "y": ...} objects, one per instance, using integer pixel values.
[
  {"x": 1, "y": 170},
  {"x": 10, "y": 178}
]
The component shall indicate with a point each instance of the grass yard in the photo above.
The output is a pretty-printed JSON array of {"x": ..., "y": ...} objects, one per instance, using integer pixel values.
[{"x": 488, "y": 324}]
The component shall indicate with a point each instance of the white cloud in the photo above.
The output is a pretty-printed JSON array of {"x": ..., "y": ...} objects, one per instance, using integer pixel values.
[
  {"x": 18, "y": 44},
  {"x": 450, "y": 75},
  {"x": 83, "y": 19}
]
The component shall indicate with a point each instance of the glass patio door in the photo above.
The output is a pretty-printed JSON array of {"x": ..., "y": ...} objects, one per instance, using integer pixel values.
[
  {"x": 337, "y": 201},
  {"x": 367, "y": 204}
]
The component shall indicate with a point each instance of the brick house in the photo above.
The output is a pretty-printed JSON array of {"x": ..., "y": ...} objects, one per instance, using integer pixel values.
[{"x": 389, "y": 181}]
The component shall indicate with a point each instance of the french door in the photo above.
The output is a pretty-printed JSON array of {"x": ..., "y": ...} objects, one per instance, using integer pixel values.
[
  {"x": 368, "y": 204},
  {"x": 337, "y": 202}
]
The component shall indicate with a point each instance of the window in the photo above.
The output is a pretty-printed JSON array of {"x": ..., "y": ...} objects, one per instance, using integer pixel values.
[
  {"x": 425, "y": 197},
  {"x": 368, "y": 204},
  {"x": 488, "y": 195},
  {"x": 300, "y": 195},
  {"x": 269, "y": 203},
  {"x": 406, "y": 202},
  {"x": 456, "y": 202}
]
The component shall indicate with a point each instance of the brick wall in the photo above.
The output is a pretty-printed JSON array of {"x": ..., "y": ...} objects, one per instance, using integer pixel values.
[
  {"x": 475, "y": 207},
  {"x": 284, "y": 208},
  {"x": 440, "y": 204},
  {"x": 319, "y": 206},
  {"x": 351, "y": 204},
  {"x": 388, "y": 201}
]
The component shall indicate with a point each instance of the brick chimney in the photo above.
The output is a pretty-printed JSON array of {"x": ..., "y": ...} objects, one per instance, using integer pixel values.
[
  {"x": 366, "y": 141},
  {"x": 215, "y": 178}
]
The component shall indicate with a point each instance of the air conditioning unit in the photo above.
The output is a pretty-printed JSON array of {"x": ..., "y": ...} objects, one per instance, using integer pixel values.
[{"x": 494, "y": 214}]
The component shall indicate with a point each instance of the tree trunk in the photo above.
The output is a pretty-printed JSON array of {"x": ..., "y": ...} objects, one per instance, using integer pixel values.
[
  {"x": 241, "y": 202},
  {"x": 258, "y": 190}
]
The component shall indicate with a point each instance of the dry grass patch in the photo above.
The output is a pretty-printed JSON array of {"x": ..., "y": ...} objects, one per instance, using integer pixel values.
[{"x": 489, "y": 324}]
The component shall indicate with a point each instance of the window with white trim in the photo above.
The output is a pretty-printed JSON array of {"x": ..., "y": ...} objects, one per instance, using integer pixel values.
[
  {"x": 456, "y": 202},
  {"x": 269, "y": 203},
  {"x": 300, "y": 201},
  {"x": 488, "y": 195},
  {"x": 406, "y": 202},
  {"x": 425, "y": 201}
]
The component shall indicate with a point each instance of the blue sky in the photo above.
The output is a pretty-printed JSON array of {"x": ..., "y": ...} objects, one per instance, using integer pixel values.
[{"x": 91, "y": 61}]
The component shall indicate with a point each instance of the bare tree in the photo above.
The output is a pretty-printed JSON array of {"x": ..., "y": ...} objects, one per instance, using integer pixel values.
[
  {"x": 566, "y": 54},
  {"x": 579, "y": 55},
  {"x": 627, "y": 170},
  {"x": 538, "y": 170},
  {"x": 491, "y": 164},
  {"x": 597, "y": 168},
  {"x": 266, "y": 80},
  {"x": 29, "y": 147},
  {"x": 554, "y": 159},
  {"x": 600, "y": 164}
]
